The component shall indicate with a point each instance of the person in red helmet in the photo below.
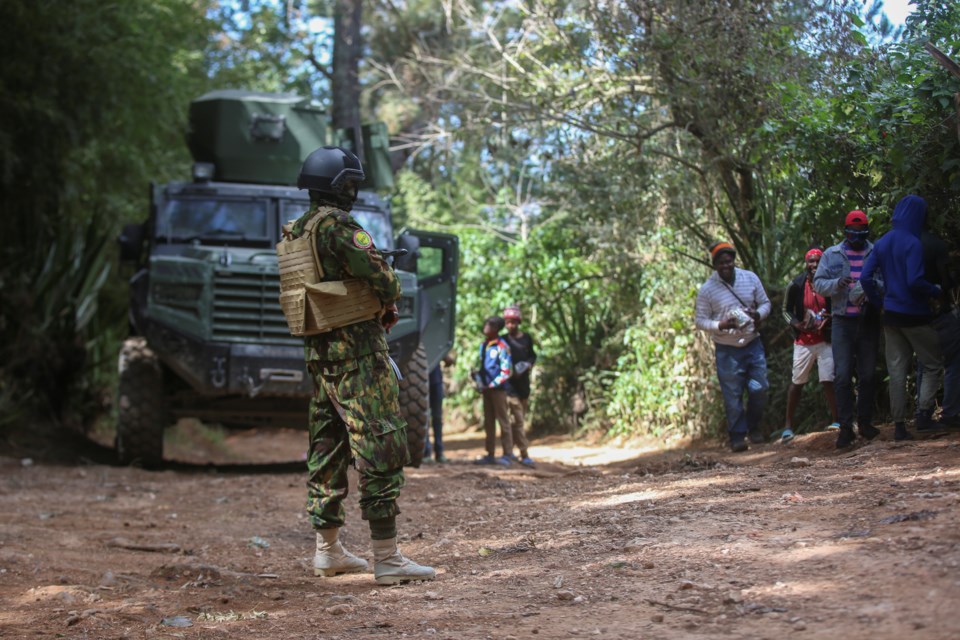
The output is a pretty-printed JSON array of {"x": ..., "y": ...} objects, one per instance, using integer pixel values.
[
  {"x": 808, "y": 314},
  {"x": 518, "y": 386}
]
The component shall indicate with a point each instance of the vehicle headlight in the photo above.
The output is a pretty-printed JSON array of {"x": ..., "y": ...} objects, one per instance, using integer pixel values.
[{"x": 203, "y": 171}]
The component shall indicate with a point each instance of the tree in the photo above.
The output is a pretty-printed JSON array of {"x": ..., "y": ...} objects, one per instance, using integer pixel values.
[
  {"x": 886, "y": 129},
  {"x": 345, "y": 77},
  {"x": 684, "y": 86},
  {"x": 92, "y": 109}
]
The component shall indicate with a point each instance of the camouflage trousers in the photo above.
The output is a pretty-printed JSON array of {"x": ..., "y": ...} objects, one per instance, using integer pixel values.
[{"x": 355, "y": 417}]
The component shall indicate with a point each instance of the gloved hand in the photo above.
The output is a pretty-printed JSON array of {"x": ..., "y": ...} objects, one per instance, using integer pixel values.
[{"x": 389, "y": 317}]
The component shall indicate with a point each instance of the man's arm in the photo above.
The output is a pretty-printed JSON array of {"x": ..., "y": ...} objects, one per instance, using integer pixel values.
[
  {"x": 703, "y": 313},
  {"x": 868, "y": 280},
  {"x": 943, "y": 268},
  {"x": 761, "y": 299},
  {"x": 827, "y": 280},
  {"x": 355, "y": 251},
  {"x": 506, "y": 366},
  {"x": 790, "y": 303},
  {"x": 916, "y": 279}
]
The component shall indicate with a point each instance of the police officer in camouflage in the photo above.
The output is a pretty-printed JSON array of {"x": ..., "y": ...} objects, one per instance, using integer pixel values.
[{"x": 355, "y": 412}]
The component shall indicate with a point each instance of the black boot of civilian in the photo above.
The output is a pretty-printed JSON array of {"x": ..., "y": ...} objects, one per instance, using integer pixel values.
[
  {"x": 926, "y": 423},
  {"x": 846, "y": 436},
  {"x": 868, "y": 431},
  {"x": 900, "y": 432}
]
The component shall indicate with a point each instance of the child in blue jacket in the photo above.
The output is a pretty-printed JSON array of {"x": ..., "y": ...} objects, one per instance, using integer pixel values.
[{"x": 495, "y": 369}]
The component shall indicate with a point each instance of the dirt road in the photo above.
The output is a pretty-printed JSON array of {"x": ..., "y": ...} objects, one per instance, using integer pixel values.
[{"x": 798, "y": 541}]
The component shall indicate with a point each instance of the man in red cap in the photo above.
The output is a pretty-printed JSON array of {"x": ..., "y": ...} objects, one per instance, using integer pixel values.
[
  {"x": 729, "y": 306},
  {"x": 855, "y": 332},
  {"x": 808, "y": 313},
  {"x": 518, "y": 386}
]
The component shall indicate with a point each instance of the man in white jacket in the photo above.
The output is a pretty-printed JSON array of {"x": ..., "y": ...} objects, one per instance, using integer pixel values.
[{"x": 729, "y": 305}]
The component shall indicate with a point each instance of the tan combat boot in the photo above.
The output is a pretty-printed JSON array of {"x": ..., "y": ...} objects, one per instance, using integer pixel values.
[
  {"x": 390, "y": 567},
  {"x": 332, "y": 559}
]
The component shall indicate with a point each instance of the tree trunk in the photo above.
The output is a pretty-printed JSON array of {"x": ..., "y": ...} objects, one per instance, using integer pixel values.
[{"x": 345, "y": 85}]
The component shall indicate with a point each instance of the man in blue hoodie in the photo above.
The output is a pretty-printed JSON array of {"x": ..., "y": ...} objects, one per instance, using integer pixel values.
[{"x": 907, "y": 315}]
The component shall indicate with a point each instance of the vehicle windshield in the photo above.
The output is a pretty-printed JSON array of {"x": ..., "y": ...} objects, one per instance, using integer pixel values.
[
  {"x": 213, "y": 220},
  {"x": 374, "y": 222}
]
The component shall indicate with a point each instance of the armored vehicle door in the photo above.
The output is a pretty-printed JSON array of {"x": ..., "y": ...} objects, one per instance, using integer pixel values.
[{"x": 435, "y": 258}]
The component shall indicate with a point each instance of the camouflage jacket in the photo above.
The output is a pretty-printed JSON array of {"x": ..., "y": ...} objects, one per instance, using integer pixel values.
[{"x": 347, "y": 251}]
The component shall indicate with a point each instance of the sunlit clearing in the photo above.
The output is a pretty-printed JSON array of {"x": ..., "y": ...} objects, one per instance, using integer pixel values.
[
  {"x": 587, "y": 455},
  {"x": 622, "y": 498},
  {"x": 614, "y": 495},
  {"x": 65, "y": 594},
  {"x": 819, "y": 552},
  {"x": 795, "y": 588},
  {"x": 938, "y": 474}
]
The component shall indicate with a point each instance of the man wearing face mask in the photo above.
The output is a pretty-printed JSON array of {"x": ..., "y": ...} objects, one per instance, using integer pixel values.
[{"x": 855, "y": 335}]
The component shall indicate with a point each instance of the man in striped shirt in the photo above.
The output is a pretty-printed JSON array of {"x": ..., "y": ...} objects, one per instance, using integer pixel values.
[
  {"x": 855, "y": 336},
  {"x": 729, "y": 305}
]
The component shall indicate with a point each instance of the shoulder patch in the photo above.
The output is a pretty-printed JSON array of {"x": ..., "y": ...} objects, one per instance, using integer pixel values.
[{"x": 362, "y": 239}]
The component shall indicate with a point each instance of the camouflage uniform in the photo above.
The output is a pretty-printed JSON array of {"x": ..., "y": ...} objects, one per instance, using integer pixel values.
[{"x": 355, "y": 411}]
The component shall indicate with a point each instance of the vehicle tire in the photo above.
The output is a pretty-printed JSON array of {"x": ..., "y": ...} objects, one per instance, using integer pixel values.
[
  {"x": 141, "y": 417},
  {"x": 415, "y": 403}
]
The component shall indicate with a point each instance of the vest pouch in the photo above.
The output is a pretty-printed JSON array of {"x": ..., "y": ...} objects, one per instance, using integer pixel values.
[
  {"x": 322, "y": 307},
  {"x": 296, "y": 263},
  {"x": 309, "y": 305},
  {"x": 293, "y": 304}
]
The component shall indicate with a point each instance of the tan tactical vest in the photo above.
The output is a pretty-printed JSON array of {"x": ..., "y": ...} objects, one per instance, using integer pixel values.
[{"x": 309, "y": 305}]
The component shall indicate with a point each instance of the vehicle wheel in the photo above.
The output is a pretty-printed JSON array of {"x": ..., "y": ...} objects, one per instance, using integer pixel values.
[
  {"x": 415, "y": 403},
  {"x": 140, "y": 412}
]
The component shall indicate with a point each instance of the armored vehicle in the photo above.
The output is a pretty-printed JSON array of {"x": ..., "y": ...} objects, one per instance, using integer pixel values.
[{"x": 208, "y": 338}]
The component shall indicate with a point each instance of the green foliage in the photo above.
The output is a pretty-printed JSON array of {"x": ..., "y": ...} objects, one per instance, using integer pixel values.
[
  {"x": 584, "y": 152},
  {"x": 886, "y": 128},
  {"x": 665, "y": 378},
  {"x": 575, "y": 281},
  {"x": 670, "y": 123},
  {"x": 93, "y": 107},
  {"x": 262, "y": 45},
  {"x": 51, "y": 351},
  {"x": 417, "y": 200}
]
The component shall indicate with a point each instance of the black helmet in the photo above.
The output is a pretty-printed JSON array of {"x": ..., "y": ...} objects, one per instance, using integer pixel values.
[{"x": 331, "y": 170}]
